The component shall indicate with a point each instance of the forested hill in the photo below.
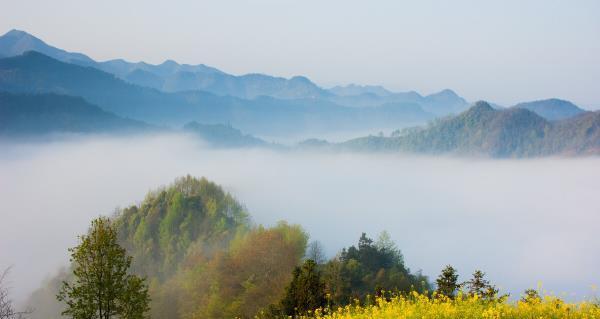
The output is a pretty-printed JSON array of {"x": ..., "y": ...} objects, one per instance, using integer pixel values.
[
  {"x": 484, "y": 131},
  {"x": 37, "y": 114},
  {"x": 203, "y": 258}
]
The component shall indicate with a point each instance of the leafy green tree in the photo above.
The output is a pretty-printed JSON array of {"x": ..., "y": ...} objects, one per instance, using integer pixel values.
[
  {"x": 447, "y": 282},
  {"x": 102, "y": 287},
  {"x": 306, "y": 290}
]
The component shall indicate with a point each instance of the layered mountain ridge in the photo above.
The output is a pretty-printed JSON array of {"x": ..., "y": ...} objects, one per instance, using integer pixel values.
[
  {"x": 485, "y": 131},
  {"x": 46, "y": 89}
]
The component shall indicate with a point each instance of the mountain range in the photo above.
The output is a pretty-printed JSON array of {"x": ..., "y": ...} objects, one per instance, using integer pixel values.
[
  {"x": 34, "y": 72},
  {"x": 47, "y": 89},
  {"x": 171, "y": 76}
]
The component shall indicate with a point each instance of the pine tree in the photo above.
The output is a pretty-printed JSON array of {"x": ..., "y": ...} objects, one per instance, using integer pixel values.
[
  {"x": 305, "y": 292},
  {"x": 447, "y": 282},
  {"x": 478, "y": 286},
  {"x": 102, "y": 288}
]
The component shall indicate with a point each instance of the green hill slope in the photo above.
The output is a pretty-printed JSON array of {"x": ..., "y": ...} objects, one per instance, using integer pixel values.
[
  {"x": 484, "y": 131},
  {"x": 200, "y": 253}
]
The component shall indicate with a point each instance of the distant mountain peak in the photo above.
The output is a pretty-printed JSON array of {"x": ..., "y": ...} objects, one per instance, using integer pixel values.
[
  {"x": 551, "y": 109},
  {"x": 19, "y": 40},
  {"x": 16, "y": 33},
  {"x": 301, "y": 80},
  {"x": 445, "y": 93},
  {"x": 480, "y": 107},
  {"x": 355, "y": 89},
  {"x": 16, "y": 42},
  {"x": 169, "y": 63}
]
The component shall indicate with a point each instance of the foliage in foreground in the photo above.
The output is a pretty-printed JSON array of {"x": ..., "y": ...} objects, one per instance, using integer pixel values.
[
  {"x": 102, "y": 287},
  {"x": 201, "y": 255},
  {"x": 417, "y": 305}
]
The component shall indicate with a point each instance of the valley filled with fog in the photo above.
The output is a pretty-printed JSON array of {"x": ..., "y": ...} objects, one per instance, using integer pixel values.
[{"x": 524, "y": 222}]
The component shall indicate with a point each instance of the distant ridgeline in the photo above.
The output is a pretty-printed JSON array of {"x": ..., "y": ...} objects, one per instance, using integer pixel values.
[
  {"x": 482, "y": 130},
  {"x": 203, "y": 258},
  {"x": 36, "y": 81},
  {"x": 174, "y": 94},
  {"x": 34, "y": 73}
]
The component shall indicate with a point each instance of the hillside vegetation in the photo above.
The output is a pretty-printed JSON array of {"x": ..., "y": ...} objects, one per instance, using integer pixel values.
[
  {"x": 201, "y": 255},
  {"x": 484, "y": 131},
  {"x": 203, "y": 258}
]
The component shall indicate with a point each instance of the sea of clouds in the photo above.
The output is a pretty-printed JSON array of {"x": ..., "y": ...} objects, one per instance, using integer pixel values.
[{"x": 524, "y": 222}]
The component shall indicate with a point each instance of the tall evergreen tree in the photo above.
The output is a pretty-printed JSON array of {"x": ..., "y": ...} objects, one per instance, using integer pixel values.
[
  {"x": 447, "y": 282},
  {"x": 305, "y": 292},
  {"x": 102, "y": 288},
  {"x": 478, "y": 286}
]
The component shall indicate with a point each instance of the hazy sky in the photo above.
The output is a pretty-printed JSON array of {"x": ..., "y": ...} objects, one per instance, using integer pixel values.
[{"x": 504, "y": 51}]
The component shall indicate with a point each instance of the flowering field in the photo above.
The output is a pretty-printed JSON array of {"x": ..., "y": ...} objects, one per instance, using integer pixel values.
[{"x": 421, "y": 306}]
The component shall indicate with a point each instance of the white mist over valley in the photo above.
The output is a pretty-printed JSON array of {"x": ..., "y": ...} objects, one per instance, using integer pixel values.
[{"x": 524, "y": 222}]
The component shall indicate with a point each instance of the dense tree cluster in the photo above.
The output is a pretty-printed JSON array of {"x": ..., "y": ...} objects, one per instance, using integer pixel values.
[
  {"x": 204, "y": 259},
  {"x": 371, "y": 267},
  {"x": 200, "y": 254},
  {"x": 163, "y": 228}
]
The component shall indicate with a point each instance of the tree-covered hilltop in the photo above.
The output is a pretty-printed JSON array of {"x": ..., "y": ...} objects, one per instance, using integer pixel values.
[
  {"x": 482, "y": 130},
  {"x": 202, "y": 257},
  {"x": 159, "y": 232},
  {"x": 200, "y": 253}
]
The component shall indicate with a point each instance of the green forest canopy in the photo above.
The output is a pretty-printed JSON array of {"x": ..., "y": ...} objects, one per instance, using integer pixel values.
[{"x": 203, "y": 257}]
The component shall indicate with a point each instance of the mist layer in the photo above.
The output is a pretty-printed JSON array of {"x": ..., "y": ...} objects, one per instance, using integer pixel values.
[{"x": 524, "y": 222}]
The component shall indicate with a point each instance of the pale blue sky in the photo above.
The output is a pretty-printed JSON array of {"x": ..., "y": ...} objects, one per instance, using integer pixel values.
[{"x": 502, "y": 51}]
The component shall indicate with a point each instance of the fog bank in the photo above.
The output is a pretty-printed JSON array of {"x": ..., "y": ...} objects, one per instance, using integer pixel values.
[{"x": 522, "y": 222}]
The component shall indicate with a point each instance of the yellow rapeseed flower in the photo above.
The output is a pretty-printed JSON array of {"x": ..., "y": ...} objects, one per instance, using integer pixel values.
[{"x": 422, "y": 306}]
